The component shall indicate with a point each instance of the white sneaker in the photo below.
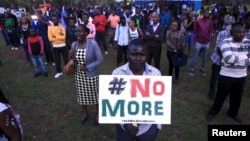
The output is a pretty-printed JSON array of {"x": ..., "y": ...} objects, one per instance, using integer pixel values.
[
  {"x": 16, "y": 48},
  {"x": 106, "y": 52},
  {"x": 12, "y": 48},
  {"x": 58, "y": 75}
]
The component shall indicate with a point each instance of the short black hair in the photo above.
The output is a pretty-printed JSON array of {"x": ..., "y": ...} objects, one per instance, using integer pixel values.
[
  {"x": 71, "y": 18},
  {"x": 136, "y": 43},
  {"x": 237, "y": 24},
  {"x": 85, "y": 14},
  {"x": 86, "y": 29}
]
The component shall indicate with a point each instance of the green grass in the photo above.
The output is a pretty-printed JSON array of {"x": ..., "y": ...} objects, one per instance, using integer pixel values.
[{"x": 49, "y": 110}]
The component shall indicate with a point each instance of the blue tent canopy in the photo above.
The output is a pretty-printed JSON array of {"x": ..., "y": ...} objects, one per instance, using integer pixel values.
[{"x": 194, "y": 3}]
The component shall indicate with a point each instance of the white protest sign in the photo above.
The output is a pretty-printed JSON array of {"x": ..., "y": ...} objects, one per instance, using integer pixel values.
[{"x": 135, "y": 99}]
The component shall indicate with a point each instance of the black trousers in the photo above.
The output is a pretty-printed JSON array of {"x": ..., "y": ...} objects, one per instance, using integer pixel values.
[
  {"x": 150, "y": 135},
  {"x": 171, "y": 67},
  {"x": 101, "y": 37},
  {"x": 48, "y": 50},
  {"x": 232, "y": 86},
  {"x": 214, "y": 78},
  {"x": 57, "y": 52},
  {"x": 154, "y": 53},
  {"x": 121, "y": 54}
]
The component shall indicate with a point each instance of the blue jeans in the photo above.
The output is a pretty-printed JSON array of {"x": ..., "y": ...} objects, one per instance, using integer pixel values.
[
  {"x": 38, "y": 62},
  {"x": 189, "y": 38},
  {"x": 5, "y": 37},
  {"x": 25, "y": 48},
  {"x": 199, "y": 47}
]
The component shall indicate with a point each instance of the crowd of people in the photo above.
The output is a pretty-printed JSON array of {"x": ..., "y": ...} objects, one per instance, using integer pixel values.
[{"x": 138, "y": 34}]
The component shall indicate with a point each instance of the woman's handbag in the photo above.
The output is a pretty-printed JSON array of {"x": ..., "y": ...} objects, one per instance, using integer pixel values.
[
  {"x": 69, "y": 68},
  {"x": 179, "y": 59}
]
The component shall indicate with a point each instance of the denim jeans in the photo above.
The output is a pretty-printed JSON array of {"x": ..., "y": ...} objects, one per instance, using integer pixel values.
[
  {"x": 189, "y": 38},
  {"x": 199, "y": 47},
  {"x": 25, "y": 48},
  {"x": 38, "y": 62},
  {"x": 5, "y": 37}
]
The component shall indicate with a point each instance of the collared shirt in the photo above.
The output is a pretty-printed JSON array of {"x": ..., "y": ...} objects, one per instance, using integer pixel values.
[
  {"x": 149, "y": 71},
  {"x": 203, "y": 29},
  {"x": 221, "y": 36},
  {"x": 121, "y": 35},
  {"x": 155, "y": 26}
]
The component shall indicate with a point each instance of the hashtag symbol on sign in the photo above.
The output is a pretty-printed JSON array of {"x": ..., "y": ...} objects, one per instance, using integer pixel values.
[{"x": 116, "y": 85}]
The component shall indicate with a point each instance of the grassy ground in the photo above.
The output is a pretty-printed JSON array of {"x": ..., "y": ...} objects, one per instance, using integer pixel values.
[{"x": 49, "y": 110}]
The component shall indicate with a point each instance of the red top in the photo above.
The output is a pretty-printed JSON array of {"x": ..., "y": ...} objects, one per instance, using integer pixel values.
[{"x": 102, "y": 20}]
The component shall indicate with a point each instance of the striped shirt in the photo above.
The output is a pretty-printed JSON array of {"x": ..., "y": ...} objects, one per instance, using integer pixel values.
[
  {"x": 149, "y": 71},
  {"x": 235, "y": 58}
]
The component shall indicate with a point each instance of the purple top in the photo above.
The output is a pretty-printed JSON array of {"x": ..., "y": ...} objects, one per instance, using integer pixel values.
[{"x": 203, "y": 29}]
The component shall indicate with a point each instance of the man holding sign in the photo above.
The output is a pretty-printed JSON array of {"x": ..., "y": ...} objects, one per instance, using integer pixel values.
[{"x": 137, "y": 58}]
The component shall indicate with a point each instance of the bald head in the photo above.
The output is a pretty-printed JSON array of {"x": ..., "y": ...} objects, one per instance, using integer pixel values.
[{"x": 155, "y": 18}]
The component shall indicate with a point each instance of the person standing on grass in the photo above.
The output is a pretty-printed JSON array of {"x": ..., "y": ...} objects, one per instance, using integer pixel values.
[
  {"x": 113, "y": 21},
  {"x": 3, "y": 30},
  {"x": 154, "y": 36},
  {"x": 137, "y": 65},
  {"x": 10, "y": 125},
  {"x": 121, "y": 39},
  {"x": 175, "y": 41},
  {"x": 189, "y": 27},
  {"x": 232, "y": 77},
  {"x": 57, "y": 36},
  {"x": 23, "y": 33},
  {"x": 41, "y": 24},
  {"x": 10, "y": 27},
  {"x": 88, "y": 58},
  {"x": 100, "y": 23},
  {"x": 216, "y": 61},
  {"x": 36, "y": 49},
  {"x": 203, "y": 30}
]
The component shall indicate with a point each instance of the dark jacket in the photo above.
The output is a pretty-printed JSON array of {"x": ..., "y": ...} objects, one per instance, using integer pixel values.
[{"x": 153, "y": 41}]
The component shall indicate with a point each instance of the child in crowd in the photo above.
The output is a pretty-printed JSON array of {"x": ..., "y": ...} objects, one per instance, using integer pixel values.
[{"x": 36, "y": 50}]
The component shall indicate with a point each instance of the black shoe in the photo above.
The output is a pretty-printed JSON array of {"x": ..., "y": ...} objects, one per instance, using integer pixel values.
[
  {"x": 46, "y": 75},
  {"x": 37, "y": 74},
  {"x": 236, "y": 118},
  {"x": 210, "y": 116},
  {"x": 1, "y": 63}
]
